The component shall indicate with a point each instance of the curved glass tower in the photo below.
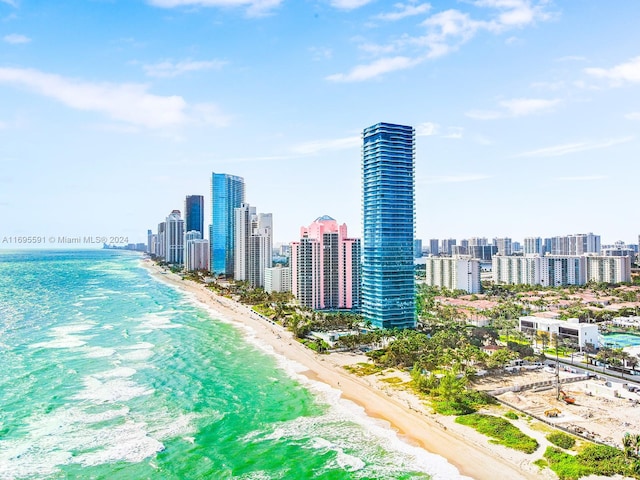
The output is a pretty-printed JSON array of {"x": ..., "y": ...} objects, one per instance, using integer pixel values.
[
  {"x": 227, "y": 193},
  {"x": 388, "y": 278}
]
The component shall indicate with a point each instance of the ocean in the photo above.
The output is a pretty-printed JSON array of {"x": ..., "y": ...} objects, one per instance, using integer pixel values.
[{"x": 107, "y": 373}]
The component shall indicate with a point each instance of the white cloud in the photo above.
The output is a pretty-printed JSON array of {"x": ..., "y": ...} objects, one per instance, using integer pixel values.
[
  {"x": 553, "y": 86},
  {"x": 168, "y": 69},
  {"x": 632, "y": 116},
  {"x": 515, "y": 13},
  {"x": 453, "y": 178},
  {"x": 427, "y": 129},
  {"x": 321, "y": 53},
  {"x": 317, "y": 146},
  {"x": 582, "y": 178},
  {"x": 431, "y": 129},
  {"x": 349, "y": 4},
  {"x": 374, "y": 69},
  {"x": 404, "y": 11},
  {"x": 569, "y": 148},
  {"x": 517, "y": 107},
  {"x": 625, "y": 72},
  {"x": 454, "y": 132},
  {"x": 254, "y": 7},
  {"x": 376, "y": 49},
  {"x": 484, "y": 114},
  {"x": 571, "y": 58},
  {"x": 128, "y": 103},
  {"x": 446, "y": 32},
  {"x": 16, "y": 39}
]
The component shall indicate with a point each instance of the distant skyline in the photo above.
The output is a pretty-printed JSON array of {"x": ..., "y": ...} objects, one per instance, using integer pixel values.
[{"x": 527, "y": 112}]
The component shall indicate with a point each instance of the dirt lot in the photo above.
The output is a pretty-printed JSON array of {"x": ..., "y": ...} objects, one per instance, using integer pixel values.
[{"x": 603, "y": 413}]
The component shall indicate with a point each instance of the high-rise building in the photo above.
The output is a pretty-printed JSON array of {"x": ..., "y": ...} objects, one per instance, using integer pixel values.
[
  {"x": 253, "y": 245},
  {"x": 417, "y": 248},
  {"x": 149, "y": 248},
  {"x": 189, "y": 237},
  {"x": 478, "y": 242},
  {"x": 174, "y": 238},
  {"x": 325, "y": 266},
  {"x": 454, "y": 273},
  {"x": 482, "y": 252},
  {"x": 277, "y": 279},
  {"x": 562, "y": 270},
  {"x": 161, "y": 250},
  {"x": 608, "y": 269},
  {"x": 227, "y": 194},
  {"x": 503, "y": 245},
  {"x": 447, "y": 246},
  {"x": 434, "y": 247},
  {"x": 525, "y": 270},
  {"x": 196, "y": 254},
  {"x": 533, "y": 246},
  {"x": 388, "y": 278},
  {"x": 194, "y": 214}
]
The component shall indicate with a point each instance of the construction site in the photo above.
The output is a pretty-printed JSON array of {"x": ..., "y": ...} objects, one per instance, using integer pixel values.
[{"x": 596, "y": 409}]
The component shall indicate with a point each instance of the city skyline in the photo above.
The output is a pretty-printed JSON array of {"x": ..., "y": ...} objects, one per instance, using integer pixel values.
[{"x": 526, "y": 122}]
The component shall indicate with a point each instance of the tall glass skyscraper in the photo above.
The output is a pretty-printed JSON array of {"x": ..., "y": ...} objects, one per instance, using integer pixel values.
[
  {"x": 194, "y": 214},
  {"x": 388, "y": 278},
  {"x": 227, "y": 194}
]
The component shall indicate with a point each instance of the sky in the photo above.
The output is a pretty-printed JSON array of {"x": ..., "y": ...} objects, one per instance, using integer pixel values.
[{"x": 527, "y": 112}]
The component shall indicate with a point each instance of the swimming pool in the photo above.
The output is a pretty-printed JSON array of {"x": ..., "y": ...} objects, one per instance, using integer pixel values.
[{"x": 620, "y": 340}]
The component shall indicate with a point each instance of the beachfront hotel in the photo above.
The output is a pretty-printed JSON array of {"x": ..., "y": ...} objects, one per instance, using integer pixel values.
[
  {"x": 253, "y": 245},
  {"x": 174, "y": 238},
  {"x": 388, "y": 201},
  {"x": 227, "y": 194},
  {"x": 325, "y": 266}
]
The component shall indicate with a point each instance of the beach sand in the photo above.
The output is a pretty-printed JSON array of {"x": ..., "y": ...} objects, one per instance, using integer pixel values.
[{"x": 470, "y": 452}]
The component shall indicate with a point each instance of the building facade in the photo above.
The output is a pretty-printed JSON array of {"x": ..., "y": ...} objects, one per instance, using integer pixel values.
[
  {"x": 325, "y": 267},
  {"x": 569, "y": 331},
  {"x": 562, "y": 270},
  {"x": 227, "y": 194},
  {"x": 174, "y": 238},
  {"x": 454, "y": 273},
  {"x": 533, "y": 246},
  {"x": 253, "y": 245},
  {"x": 197, "y": 254},
  {"x": 194, "y": 214},
  {"x": 607, "y": 269},
  {"x": 524, "y": 270},
  {"x": 277, "y": 279},
  {"x": 388, "y": 278}
]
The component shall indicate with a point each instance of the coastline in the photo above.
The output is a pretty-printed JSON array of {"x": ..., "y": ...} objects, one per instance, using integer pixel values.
[{"x": 469, "y": 452}]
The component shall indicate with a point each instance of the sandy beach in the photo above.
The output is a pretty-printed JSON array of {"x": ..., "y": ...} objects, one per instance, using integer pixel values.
[{"x": 470, "y": 452}]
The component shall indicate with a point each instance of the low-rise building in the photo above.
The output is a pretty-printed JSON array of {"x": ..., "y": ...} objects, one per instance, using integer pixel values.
[{"x": 571, "y": 330}]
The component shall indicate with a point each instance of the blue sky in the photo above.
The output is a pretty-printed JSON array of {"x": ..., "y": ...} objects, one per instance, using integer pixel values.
[{"x": 527, "y": 112}]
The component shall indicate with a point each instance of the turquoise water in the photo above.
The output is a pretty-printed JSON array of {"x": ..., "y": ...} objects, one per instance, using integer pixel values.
[
  {"x": 621, "y": 340},
  {"x": 106, "y": 373}
]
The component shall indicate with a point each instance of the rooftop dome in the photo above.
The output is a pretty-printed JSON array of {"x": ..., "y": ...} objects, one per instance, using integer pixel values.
[{"x": 325, "y": 218}]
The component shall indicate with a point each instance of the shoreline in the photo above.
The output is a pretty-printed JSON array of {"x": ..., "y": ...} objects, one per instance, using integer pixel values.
[{"x": 462, "y": 447}]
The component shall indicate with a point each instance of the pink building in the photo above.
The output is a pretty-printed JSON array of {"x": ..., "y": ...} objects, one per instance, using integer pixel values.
[{"x": 325, "y": 267}]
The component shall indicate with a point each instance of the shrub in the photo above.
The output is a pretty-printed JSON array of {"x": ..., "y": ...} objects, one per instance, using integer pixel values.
[
  {"x": 566, "y": 466},
  {"x": 603, "y": 459},
  {"x": 561, "y": 440},
  {"x": 511, "y": 415},
  {"x": 503, "y": 431}
]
